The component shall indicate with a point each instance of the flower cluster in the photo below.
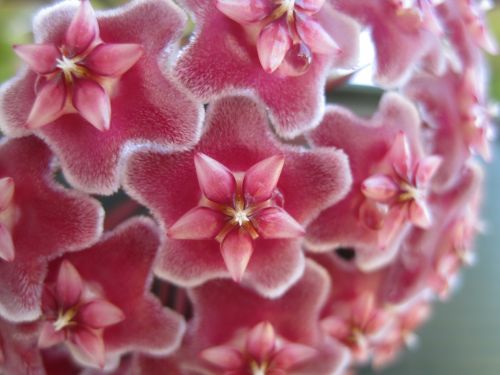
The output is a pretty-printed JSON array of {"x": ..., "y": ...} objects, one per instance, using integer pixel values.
[{"x": 192, "y": 206}]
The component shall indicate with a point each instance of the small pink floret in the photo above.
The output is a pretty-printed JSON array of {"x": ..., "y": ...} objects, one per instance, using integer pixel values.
[
  {"x": 236, "y": 209},
  {"x": 77, "y": 76}
]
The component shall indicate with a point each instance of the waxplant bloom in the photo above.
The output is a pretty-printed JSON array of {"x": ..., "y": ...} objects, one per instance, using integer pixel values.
[
  {"x": 176, "y": 197},
  {"x": 391, "y": 176},
  {"x": 103, "y": 88},
  {"x": 72, "y": 76},
  {"x": 235, "y": 210},
  {"x": 282, "y": 51},
  {"x": 238, "y": 205},
  {"x": 98, "y": 318}
]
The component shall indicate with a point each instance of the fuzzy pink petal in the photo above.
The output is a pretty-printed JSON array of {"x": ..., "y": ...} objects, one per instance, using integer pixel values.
[
  {"x": 51, "y": 220},
  {"x": 272, "y": 45},
  {"x": 41, "y": 58},
  {"x": 379, "y": 188},
  {"x": 223, "y": 307},
  {"x": 148, "y": 326},
  {"x": 169, "y": 115},
  {"x": 110, "y": 59},
  {"x": 315, "y": 36},
  {"x": 244, "y": 11},
  {"x": 274, "y": 222},
  {"x": 294, "y": 103},
  {"x": 293, "y": 354},
  {"x": 419, "y": 214},
  {"x": 200, "y": 223},
  {"x": 92, "y": 102},
  {"x": 366, "y": 143},
  {"x": 49, "y": 336},
  {"x": 83, "y": 29},
  {"x": 261, "y": 179},
  {"x": 91, "y": 344},
  {"x": 216, "y": 181},
  {"x": 69, "y": 285},
  {"x": 236, "y": 249},
  {"x": 7, "y": 251},
  {"x": 223, "y": 357},
  {"x": 7, "y": 187},
  {"x": 100, "y": 313},
  {"x": 261, "y": 341},
  {"x": 48, "y": 105},
  {"x": 426, "y": 169}
]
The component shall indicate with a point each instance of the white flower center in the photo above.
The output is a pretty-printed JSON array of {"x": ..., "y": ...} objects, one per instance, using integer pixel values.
[{"x": 241, "y": 217}]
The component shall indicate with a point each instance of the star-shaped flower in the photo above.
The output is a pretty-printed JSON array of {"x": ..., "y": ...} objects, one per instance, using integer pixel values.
[
  {"x": 75, "y": 313},
  {"x": 281, "y": 50},
  {"x": 385, "y": 154},
  {"x": 99, "y": 318},
  {"x": 77, "y": 75},
  {"x": 106, "y": 69},
  {"x": 236, "y": 209},
  {"x": 249, "y": 199}
]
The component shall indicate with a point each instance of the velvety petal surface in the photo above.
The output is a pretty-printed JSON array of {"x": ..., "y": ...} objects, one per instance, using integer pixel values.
[
  {"x": 142, "y": 323},
  {"x": 295, "y": 103},
  {"x": 158, "y": 111},
  {"x": 366, "y": 142},
  {"x": 51, "y": 220},
  {"x": 236, "y": 135}
]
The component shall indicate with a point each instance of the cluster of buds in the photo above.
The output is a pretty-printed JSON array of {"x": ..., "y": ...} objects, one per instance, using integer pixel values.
[{"x": 192, "y": 206}]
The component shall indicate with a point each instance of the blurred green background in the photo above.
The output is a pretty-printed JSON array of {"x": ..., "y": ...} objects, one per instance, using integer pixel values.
[{"x": 463, "y": 337}]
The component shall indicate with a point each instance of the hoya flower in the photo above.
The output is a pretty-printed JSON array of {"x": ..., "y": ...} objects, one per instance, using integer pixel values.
[
  {"x": 39, "y": 220},
  {"x": 460, "y": 121},
  {"x": 280, "y": 50},
  {"x": 236, "y": 204},
  {"x": 391, "y": 182},
  {"x": 355, "y": 313},
  {"x": 77, "y": 314},
  {"x": 357, "y": 323},
  {"x": 466, "y": 29},
  {"x": 73, "y": 75},
  {"x": 229, "y": 335},
  {"x": 406, "y": 319},
  {"x": 406, "y": 35},
  {"x": 96, "y": 82},
  {"x": 413, "y": 270},
  {"x": 99, "y": 318}
]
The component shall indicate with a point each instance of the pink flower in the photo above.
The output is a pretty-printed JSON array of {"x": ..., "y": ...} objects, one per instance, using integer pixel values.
[
  {"x": 391, "y": 181},
  {"x": 455, "y": 107},
  {"x": 413, "y": 270},
  {"x": 104, "y": 71},
  {"x": 288, "y": 35},
  {"x": 76, "y": 313},
  {"x": 77, "y": 75},
  {"x": 39, "y": 220},
  {"x": 402, "y": 185},
  {"x": 282, "y": 51},
  {"x": 252, "y": 194},
  {"x": 236, "y": 209},
  {"x": 229, "y": 335},
  {"x": 99, "y": 318},
  {"x": 264, "y": 353}
]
